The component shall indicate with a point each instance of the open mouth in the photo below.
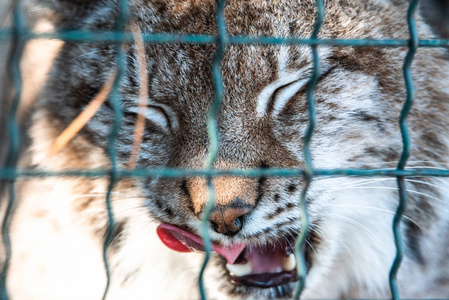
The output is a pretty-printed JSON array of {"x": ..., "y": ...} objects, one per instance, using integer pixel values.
[
  {"x": 247, "y": 265},
  {"x": 264, "y": 267}
]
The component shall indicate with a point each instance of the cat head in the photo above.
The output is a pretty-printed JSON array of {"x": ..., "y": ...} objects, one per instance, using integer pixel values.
[{"x": 261, "y": 121}]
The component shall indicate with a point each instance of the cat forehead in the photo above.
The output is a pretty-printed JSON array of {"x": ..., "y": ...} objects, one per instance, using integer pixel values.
[
  {"x": 250, "y": 74},
  {"x": 242, "y": 17},
  {"x": 272, "y": 18}
]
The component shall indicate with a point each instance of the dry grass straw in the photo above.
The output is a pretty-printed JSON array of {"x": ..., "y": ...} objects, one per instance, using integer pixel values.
[
  {"x": 77, "y": 124},
  {"x": 143, "y": 96},
  {"x": 80, "y": 121}
]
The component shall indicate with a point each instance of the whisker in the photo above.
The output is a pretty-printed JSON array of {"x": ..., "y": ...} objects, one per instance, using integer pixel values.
[
  {"x": 127, "y": 198},
  {"x": 128, "y": 209},
  {"x": 395, "y": 188},
  {"x": 150, "y": 222},
  {"x": 313, "y": 249},
  {"x": 362, "y": 182},
  {"x": 321, "y": 230},
  {"x": 374, "y": 208},
  {"x": 288, "y": 241},
  {"x": 89, "y": 53},
  {"x": 358, "y": 224},
  {"x": 424, "y": 167},
  {"x": 409, "y": 163},
  {"x": 140, "y": 230},
  {"x": 429, "y": 184},
  {"x": 114, "y": 199}
]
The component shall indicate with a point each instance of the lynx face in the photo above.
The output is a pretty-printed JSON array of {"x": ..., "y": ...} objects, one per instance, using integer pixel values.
[{"x": 261, "y": 124}]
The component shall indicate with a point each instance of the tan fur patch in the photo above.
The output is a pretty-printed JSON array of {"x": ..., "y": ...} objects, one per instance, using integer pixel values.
[{"x": 226, "y": 190}]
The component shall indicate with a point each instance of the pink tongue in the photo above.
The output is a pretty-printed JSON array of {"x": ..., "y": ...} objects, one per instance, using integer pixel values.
[{"x": 181, "y": 240}]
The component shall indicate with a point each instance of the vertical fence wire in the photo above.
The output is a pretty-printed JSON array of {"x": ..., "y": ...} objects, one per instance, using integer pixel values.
[
  {"x": 17, "y": 47},
  {"x": 118, "y": 114},
  {"x": 214, "y": 139},
  {"x": 308, "y": 170},
  {"x": 413, "y": 45},
  {"x": 19, "y": 35}
]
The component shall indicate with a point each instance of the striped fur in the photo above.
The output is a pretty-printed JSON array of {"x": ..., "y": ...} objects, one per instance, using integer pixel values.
[{"x": 60, "y": 223}]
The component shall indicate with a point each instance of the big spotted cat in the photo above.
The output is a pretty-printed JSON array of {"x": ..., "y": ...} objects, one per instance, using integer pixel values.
[{"x": 60, "y": 223}]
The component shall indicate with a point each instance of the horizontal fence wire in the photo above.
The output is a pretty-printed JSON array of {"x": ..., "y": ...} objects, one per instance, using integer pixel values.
[
  {"x": 8, "y": 173},
  {"x": 89, "y": 36},
  {"x": 19, "y": 34}
]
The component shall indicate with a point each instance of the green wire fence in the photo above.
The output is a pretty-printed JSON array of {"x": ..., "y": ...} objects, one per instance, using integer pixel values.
[
  {"x": 18, "y": 43},
  {"x": 115, "y": 101},
  {"x": 19, "y": 34}
]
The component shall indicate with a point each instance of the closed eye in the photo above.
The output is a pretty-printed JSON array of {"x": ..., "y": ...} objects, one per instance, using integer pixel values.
[
  {"x": 160, "y": 115},
  {"x": 283, "y": 94},
  {"x": 276, "y": 96}
]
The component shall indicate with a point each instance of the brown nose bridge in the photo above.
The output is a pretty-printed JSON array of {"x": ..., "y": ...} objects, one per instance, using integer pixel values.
[{"x": 227, "y": 189}]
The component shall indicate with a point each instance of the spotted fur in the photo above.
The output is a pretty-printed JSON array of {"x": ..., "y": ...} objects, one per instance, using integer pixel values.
[{"x": 60, "y": 223}]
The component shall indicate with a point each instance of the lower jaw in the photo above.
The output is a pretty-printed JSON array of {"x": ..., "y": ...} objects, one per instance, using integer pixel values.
[
  {"x": 268, "y": 285},
  {"x": 284, "y": 291},
  {"x": 266, "y": 280},
  {"x": 265, "y": 286}
]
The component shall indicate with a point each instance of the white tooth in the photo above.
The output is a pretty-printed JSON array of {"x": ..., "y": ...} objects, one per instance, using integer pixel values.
[
  {"x": 289, "y": 262},
  {"x": 239, "y": 270}
]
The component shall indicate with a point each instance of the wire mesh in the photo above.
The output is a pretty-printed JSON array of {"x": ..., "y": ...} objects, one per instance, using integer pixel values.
[
  {"x": 413, "y": 45},
  {"x": 118, "y": 115},
  {"x": 19, "y": 34},
  {"x": 308, "y": 171},
  {"x": 18, "y": 43},
  {"x": 214, "y": 139}
]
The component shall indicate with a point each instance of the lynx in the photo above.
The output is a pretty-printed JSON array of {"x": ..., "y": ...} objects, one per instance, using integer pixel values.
[{"x": 60, "y": 223}]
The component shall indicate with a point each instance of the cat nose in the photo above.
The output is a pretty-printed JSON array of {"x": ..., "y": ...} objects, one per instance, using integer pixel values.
[{"x": 228, "y": 219}]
